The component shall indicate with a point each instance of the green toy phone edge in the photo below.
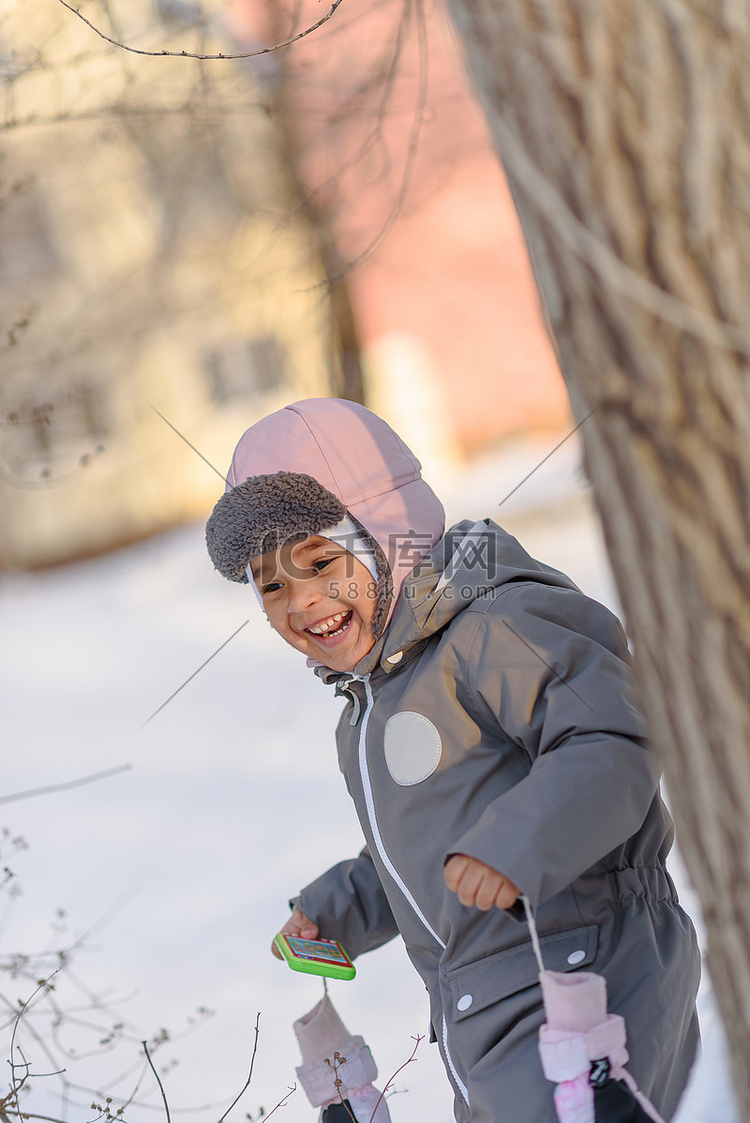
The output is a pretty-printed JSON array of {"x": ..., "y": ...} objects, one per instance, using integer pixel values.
[{"x": 311, "y": 967}]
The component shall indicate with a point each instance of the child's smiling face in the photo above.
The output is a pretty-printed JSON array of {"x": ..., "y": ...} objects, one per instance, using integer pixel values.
[{"x": 319, "y": 598}]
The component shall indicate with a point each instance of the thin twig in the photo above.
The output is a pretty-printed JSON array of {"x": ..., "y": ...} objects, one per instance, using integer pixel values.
[
  {"x": 30, "y": 1115},
  {"x": 246, "y": 1085},
  {"x": 42, "y": 988},
  {"x": 158, "y": 1080},
  {"x": 335, "y": 1066},
  {"x": 282, "y": 1102},
  {"x": 190, "y": 54},
  {"x": 408, "y": 1061},
  {"x": 546, "y": 458},
  {"x": 43, "y": 484},
  {"x": 375, "y": 134},
  {"x": 552, "y": 670},
  {"x": 187, "y": 442},
  {"x": 187, "y": 680},
  {"x": 67, "y": 784},
  {"x": 123, "y": 110},
  {"x": 411, "y": 156}
]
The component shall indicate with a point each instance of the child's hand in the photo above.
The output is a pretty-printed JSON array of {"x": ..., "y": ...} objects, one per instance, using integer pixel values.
[
  {"x": 478, "y": 884},
  {"x": 297, "y": 925}
]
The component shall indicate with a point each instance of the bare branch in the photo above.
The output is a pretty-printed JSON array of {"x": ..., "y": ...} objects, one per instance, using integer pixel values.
[
  {"x": 123, "y": 111},
  {"x": 30, "y": 1115},
  {"x": 411, "y": 156},
  {"x": 190, "y": 54},
  {"x": 282, "y": 1102},
  {"x": 187, "y": 442},
  {"x": 246, "y": 1085},
  {"x": 187, "y": 680},
  {"x": 546, "y": 458},
  {"x": 419, "y": 1037},
  {"x": 158, "y": 1081},
  {"x": 66, "y": 784}
]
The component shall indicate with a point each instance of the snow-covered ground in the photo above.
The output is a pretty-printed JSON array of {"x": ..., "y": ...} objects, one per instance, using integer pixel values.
[{"x": 179, "y": 870}]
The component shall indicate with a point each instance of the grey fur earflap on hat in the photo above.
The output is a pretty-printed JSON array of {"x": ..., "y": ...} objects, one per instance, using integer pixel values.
[{"x": 266, "y": 512}]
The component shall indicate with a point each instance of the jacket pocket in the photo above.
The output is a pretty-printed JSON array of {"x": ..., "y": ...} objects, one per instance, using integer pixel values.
[{"x": 495, "y": 977}]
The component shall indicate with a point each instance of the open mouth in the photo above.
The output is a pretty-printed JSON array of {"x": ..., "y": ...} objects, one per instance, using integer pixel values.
[{"x": 332, "y": 627}]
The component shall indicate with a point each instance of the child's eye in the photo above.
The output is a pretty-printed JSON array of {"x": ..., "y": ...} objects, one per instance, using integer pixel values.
[
  {"x": 271, "y": 587},
  {"x": 321, "y": 563}
]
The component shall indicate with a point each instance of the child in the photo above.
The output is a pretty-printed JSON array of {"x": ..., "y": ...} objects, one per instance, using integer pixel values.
[{"x": 492, "y": 744}]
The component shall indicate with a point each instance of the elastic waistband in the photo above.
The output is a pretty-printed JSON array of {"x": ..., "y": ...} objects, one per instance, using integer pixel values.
[{"x": 650, "y": 883}]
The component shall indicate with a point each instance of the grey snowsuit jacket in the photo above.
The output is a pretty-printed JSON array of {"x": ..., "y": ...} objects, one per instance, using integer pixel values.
[{"x": 497, "y": 718}]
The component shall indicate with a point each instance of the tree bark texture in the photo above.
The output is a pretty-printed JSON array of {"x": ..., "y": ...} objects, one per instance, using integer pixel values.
[{"x": 624, "y": 128}]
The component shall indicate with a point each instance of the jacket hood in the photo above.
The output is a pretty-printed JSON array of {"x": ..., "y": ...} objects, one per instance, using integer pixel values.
[
  {"x": 470, "y": 561},
  {"x": 297, "y": 471}
]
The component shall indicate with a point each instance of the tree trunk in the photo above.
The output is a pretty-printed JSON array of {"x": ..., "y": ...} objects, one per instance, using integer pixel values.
[
  {"x": 624, "y": 128},
  {"x": 346, "y": 378}
]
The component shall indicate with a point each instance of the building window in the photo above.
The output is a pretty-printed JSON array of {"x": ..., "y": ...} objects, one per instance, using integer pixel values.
[{"x": 251, "y": 368}]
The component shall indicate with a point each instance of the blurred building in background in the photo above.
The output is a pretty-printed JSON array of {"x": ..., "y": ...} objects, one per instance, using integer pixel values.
[
  {"x": 147, "y": 263},
  {"x": 175, "y": 237}
]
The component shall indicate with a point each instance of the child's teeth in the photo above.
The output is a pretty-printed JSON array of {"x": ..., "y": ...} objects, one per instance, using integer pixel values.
[{"x": 326, "y": 626}]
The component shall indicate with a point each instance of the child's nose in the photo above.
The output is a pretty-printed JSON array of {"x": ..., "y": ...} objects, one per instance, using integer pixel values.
[{"x": 303, "y": 595}]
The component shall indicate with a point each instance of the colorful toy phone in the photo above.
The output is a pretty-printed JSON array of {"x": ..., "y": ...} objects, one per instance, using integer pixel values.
[{"x": 315, "y": 957}]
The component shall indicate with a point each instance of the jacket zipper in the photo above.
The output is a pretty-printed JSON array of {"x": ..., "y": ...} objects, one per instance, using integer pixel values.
[
  {"x": 459, "y": 1082},
  {"x": 377, "y": 837}
]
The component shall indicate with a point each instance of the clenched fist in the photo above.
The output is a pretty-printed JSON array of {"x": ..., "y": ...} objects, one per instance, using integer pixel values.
[{"x": 479, "y": 885}]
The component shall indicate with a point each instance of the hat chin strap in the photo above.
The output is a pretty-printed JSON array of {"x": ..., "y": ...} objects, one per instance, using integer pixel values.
[{"x": 343, "y": 534}]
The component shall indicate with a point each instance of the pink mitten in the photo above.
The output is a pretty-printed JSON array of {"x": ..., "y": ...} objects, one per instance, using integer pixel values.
[
  {"x": 582, "y": 1048},
  {"x": 337, "y": 1067}
]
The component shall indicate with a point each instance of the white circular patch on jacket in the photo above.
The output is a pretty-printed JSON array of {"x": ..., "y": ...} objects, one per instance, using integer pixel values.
[{"x": 412, "y": 747}]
